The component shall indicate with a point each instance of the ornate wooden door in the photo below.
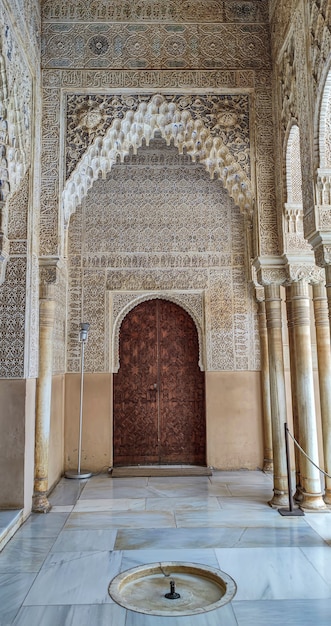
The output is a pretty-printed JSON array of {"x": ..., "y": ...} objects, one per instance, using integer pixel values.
[{"x": 159, "y": 391}]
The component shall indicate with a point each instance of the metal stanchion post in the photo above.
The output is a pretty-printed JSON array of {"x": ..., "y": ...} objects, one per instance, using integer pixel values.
[
  {"x": 291, "y": 511},
  {"x": 83, "y": 334}
]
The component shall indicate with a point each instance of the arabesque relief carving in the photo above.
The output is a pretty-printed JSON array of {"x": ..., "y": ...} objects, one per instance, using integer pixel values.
[
  {"x": 155, "y": 204},
  {"x": 188, "y": 131},
  {"x": 160, "y": 11}
]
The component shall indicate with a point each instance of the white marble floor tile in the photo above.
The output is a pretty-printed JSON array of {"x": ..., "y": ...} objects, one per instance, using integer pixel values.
[
  {"x": 75, "y": 578},
  {"x": 241, "y": 477},
  {"x": 111, "y": 504},
  {"x": 320, "y": 558},
  {"x": 272, "y": 574},
  {"x": 156, "y": 481},
  {"x": 133, "y": 558},
  {"x": 9, "y": 517},
  {"x": 84, "y": 540},
  {"x": 13, "y": 589},
  {"x": 227, "y": 517},
  {"x": 23, "y": 554},
  {"x": 176, "y": 538},
  {"x": 66, "y": 492},
  {"x": 245, "y": 490},
  {"x": 58, "y": 508},
  {"x": 180, "y": 490},
  {"x": 173, "y": 504},
  {"x": 287, "y": 536},
  {"x": 281, "y": 565},
  {"x": 116, "y": 491},
  {"x": 321, "y": 523},
  {"x": 128, "y": 481},
  {"x": 38, "y": 525},
  {"x": 118, "y": 519},
  {"x": 284, "y": 612},
  {"x": 222, "y": 617},
  {"x": 242, "y": 503},
  {"x": 78, "y": 615}
]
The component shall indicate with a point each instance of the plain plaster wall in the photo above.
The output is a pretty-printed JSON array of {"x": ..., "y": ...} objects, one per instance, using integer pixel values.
[
  {"x": 16, "y": 417},
  {"x": 233, "y": 420},
  {"x": 97, "y": 425}
]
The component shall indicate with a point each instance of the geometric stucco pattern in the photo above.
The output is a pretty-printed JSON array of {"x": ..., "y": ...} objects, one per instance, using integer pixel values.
[
  {"x": 158, "y": 224},
  {"x": 165, "y": 46},
  {"x": 18, "y": 307}
]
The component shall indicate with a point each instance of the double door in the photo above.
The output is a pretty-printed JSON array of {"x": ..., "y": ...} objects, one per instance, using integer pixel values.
[{"x": 159, "y": 391}]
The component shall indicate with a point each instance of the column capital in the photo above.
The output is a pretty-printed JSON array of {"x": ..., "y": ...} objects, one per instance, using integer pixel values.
[
  {"x": 270, "y": 270},
  {"x": 48, "y": 277},
  {"x": 302, "y": 267}
]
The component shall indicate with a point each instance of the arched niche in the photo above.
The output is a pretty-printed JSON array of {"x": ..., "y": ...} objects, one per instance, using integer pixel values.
[{"x": 156, "y": 116}]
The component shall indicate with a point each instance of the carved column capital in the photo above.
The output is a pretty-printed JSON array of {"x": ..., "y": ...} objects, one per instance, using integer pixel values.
[
  {"x": 48, "y": 277},
  {"x": 270, "y": 270}
]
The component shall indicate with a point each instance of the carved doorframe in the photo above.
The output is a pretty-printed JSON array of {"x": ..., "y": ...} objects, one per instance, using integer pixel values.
[{"x": 120, "y": 303}]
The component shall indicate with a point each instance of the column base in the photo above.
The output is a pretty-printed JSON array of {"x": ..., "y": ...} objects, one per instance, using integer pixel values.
[
  {"x": 312, "y": 502},
  {"x": 298, "y": 496},
  {"x": 327, "y": 497},
  {"x": 40, "y": 503},
  {"x": 280, "y": 498},
  {"x": 268, "y": 466}
]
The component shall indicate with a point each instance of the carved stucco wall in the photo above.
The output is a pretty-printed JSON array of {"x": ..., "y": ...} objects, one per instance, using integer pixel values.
[
  {"x": 301, "y": 46},
  {"x": 98, "y": 55},
  {"x": 159, "y": 225},
  {"x": 19, "y": 74}
]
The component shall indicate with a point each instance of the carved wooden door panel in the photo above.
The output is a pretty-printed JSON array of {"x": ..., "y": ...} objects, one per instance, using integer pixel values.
[{"x": 159, "y": 391}]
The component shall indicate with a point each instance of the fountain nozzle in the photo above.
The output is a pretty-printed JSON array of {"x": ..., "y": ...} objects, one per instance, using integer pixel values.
[{"x": 172, "y": 595}]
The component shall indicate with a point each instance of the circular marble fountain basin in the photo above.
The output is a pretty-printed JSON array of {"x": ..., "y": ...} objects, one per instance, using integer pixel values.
[{"x": 201, "y": 588}]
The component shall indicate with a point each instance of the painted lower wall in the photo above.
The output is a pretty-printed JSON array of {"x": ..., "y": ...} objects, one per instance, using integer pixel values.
[
  {"x": 97, "y": 423},
  {"x": 233, "y": 421},
  {"x": 17, "y": 402}
]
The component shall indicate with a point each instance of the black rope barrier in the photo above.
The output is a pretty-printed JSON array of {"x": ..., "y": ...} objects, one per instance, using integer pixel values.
[
  {"x": 306, "y": 455},
  {"x": 294, "y": 511}
]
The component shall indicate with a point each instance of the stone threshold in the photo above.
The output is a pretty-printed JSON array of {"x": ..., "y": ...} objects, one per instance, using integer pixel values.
[
  {"x": 10, "y": 521},
  {"x": 160, "y": 470}
]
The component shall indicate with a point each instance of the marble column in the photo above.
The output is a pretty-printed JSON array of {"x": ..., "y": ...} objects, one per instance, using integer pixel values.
[
  {"x": 324, "y": 376},
  {"x": 277, "y": 392},
  {"x": 291, "y": 342},
  {"x": 265, "y": 383},
  {"x": 309, "y": 475},
  {"x": 43, "y": 398}
]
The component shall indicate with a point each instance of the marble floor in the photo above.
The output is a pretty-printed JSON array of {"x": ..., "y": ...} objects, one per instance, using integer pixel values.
[{"x": 56, "y": 570}]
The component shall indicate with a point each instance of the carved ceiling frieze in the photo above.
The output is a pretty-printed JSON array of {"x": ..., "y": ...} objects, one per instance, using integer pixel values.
[
  {"x": 168, "y": 46},
  {"x": 159, "y": 11}
]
